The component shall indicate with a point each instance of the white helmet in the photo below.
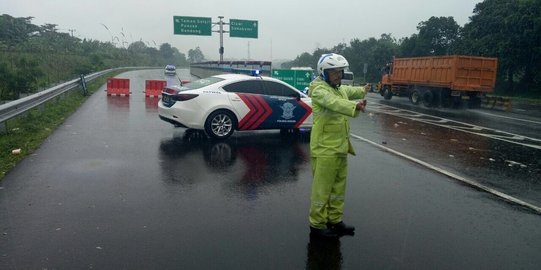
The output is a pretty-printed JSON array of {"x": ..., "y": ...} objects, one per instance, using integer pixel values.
[{"x": 331, "y": 61}]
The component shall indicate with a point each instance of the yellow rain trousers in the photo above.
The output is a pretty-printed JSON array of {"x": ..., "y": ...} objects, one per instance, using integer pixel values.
[{"x": 329, "y": 146}]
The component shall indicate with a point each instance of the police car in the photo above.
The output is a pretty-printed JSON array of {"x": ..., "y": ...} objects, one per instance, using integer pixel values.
[{"x": 221, "y": 104}]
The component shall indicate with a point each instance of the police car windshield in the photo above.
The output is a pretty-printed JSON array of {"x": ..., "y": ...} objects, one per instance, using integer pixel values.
[{"x": 201, "y": 83}]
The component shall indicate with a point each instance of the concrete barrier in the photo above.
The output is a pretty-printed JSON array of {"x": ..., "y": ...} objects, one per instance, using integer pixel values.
[{"x": 497, "y": 103}]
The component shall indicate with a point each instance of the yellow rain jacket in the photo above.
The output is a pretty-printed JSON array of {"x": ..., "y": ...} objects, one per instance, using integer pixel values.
[
  {"x": 331, "y": 111},
  {"x": 329, "y": 146}
]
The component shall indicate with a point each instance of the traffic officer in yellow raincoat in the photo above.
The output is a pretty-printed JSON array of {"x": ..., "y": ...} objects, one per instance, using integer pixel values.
[{"x": 332, "y": 105}]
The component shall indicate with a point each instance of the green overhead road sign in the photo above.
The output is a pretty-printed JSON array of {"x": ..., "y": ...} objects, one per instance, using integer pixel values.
[
  {"x": 242, "y": 28},
  {"x": 199, "y": 26},
  {"x": 303, "y": 78},
  {"x": 285, "y": 75},
  {"x": 299, "y": 79}
]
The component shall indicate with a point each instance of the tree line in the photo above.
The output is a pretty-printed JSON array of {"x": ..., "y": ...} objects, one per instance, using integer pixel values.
[
  {"x": 34, "y": 57},
  {"x": 507, "y": 29}
]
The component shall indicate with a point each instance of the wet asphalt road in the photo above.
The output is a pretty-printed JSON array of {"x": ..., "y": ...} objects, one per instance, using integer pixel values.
[
  {"x": 116, "y": 188},
  {"x": 480, "y": 145}
]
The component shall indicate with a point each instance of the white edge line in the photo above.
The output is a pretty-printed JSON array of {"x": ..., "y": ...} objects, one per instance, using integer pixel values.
[
  {"x": 496, "y": 137},
  {"x": 454, "y": 176},
  {"x": 508, "y": 117},
  {"x": 434, "y": 122}
]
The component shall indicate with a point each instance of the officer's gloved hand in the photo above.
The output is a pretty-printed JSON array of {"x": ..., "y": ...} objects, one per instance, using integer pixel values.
[{"x": 361, "y": 106}]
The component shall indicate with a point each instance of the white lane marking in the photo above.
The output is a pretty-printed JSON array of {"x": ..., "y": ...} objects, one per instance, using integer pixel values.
[
  {"x": 503, "y": 135},
  {"x": 512, "y": 118},
  {"x": 453, "y": 176}
]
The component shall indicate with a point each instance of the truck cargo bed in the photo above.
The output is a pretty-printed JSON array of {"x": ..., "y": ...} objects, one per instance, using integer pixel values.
[{"x": 456, "y": 72}]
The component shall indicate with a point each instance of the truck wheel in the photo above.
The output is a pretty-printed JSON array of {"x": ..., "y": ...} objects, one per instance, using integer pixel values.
[
  {"x": 428, "y": 98},
  {"x": 387, "y": 94},
  {"x": 415, "y": 97},
  {"x": 220, "y": 124}
]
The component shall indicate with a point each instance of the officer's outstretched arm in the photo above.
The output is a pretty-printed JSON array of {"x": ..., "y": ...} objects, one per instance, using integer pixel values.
[
  {"x": 354, "y": 92},
  {"x": 334, "y": 103}
]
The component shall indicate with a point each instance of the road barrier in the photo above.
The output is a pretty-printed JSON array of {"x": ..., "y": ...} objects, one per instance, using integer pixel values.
[
  {"x": 154, "y": 87},
  {"x": 497, "y": 103},
  {"x": 118, "y": 86}
]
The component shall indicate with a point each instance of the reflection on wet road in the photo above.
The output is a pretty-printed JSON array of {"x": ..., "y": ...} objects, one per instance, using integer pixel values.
[
  {"x": 323, "y": 254},
  {"x": 256, "y": 159}
]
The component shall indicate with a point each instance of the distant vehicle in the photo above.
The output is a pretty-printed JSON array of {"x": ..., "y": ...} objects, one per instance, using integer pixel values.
[
  {"x": 170, "y": 70},
  {"x": 347, "y": 79},
  {"x": 440, "y": 80},
  {"x": 221, "y": 104}
]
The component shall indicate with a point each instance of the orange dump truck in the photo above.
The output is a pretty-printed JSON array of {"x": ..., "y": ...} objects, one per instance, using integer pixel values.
[{"x": 440, "y": 80}]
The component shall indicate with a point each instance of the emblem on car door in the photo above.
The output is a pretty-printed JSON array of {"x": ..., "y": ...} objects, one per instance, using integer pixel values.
[{"x": 288, "y": 110}]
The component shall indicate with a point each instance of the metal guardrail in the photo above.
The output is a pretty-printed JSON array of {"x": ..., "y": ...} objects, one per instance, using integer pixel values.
[
  {"x": 497, "y": 103},
  {"x": 14, "y": 108}
]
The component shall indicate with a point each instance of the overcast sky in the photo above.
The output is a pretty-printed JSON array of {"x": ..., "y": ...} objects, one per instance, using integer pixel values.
[{"x": 287, "y": 28}]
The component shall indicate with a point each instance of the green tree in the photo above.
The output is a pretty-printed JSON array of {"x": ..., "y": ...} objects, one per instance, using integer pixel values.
[
  {"x": 138, "y": 47},
  {"x": 167, "y": 53},
  {"x": 436, "y": 36},
  {"x": 195, "y": 55},
  {"x": 19, "y": 79},
  {"x": 16, "y": 30},
  {"x": 511, "y": 31},
  {"x": 180, "y": 58},
  {"x": 5, "y": 76},
  {"x": 372, "y": 52},
  {"x": 303, "y": 60}
]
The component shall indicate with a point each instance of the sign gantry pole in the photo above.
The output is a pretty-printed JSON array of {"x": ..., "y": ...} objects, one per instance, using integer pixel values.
[{"x": 221, "y": 31}]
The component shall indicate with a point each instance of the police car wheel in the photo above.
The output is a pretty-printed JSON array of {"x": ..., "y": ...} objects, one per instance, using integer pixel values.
[{"x": 220, "y": 124}]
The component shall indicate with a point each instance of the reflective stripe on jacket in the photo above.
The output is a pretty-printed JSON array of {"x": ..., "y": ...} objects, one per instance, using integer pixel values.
[{"x": 331, "y": 111}]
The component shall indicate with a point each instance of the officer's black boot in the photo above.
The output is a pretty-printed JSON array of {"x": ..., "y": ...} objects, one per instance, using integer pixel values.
[
  {"x": 323, "y": 233},
  {"x": 341, "y": 228}
]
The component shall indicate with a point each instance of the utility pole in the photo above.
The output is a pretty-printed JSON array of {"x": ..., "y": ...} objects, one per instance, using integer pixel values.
[{"x": 221, "y": 31}]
